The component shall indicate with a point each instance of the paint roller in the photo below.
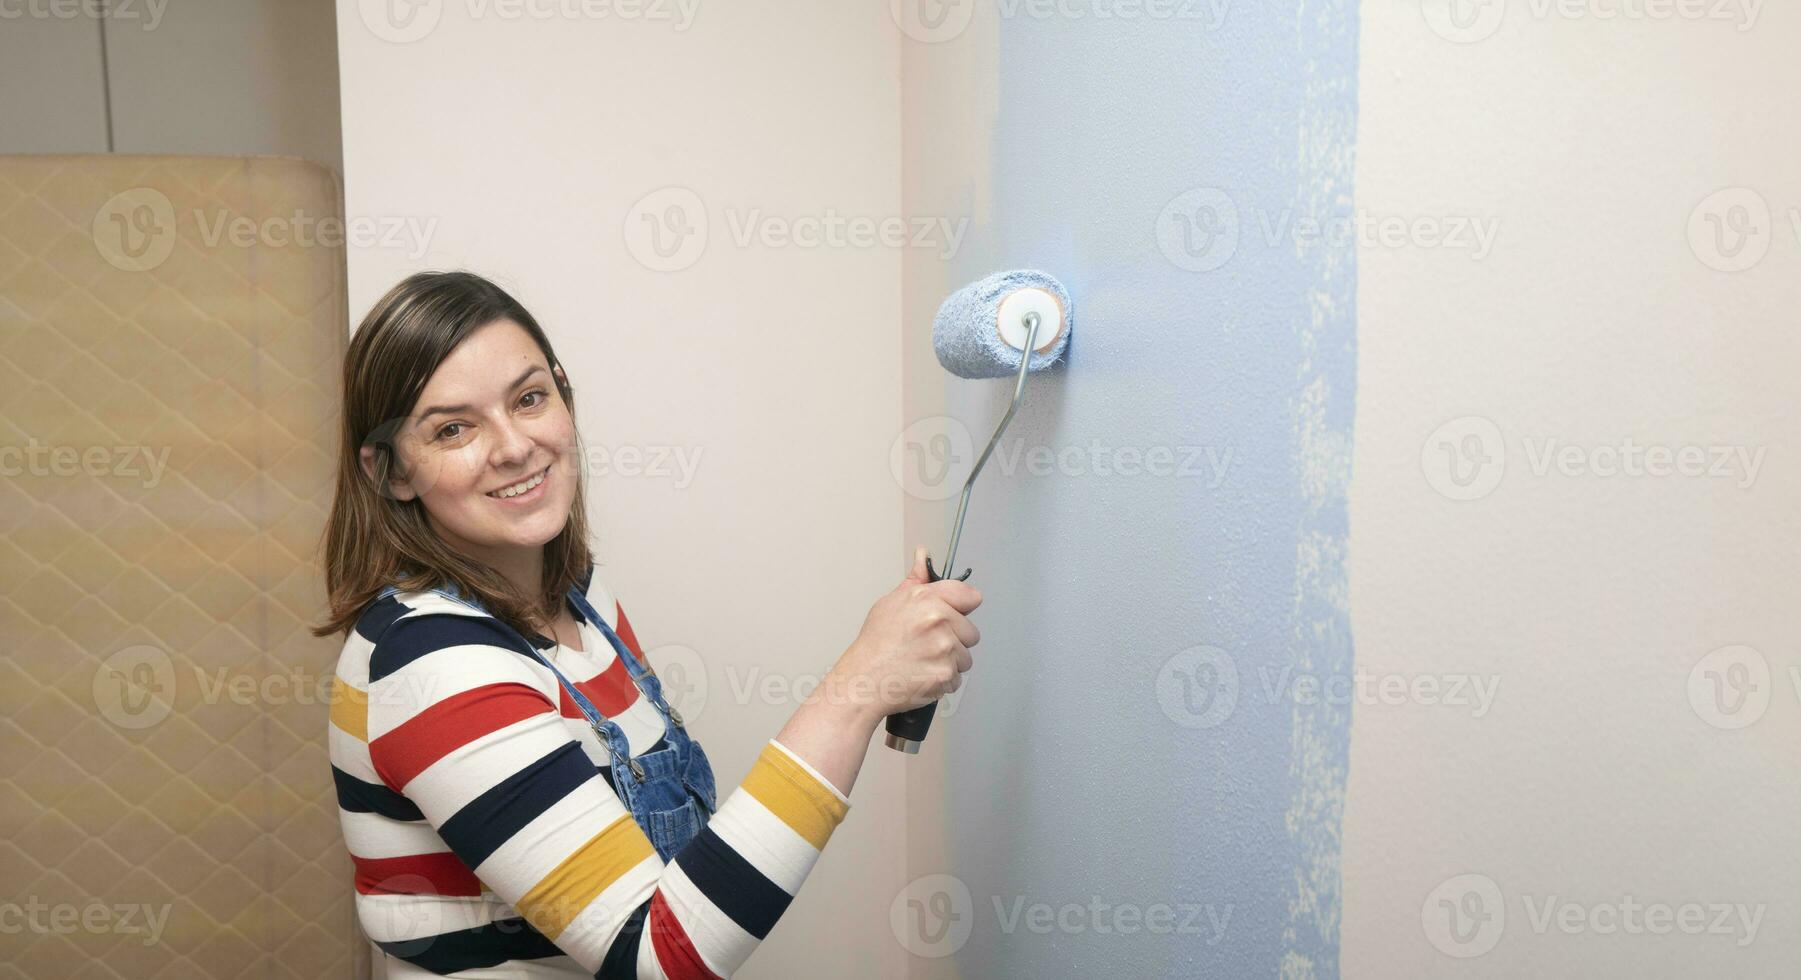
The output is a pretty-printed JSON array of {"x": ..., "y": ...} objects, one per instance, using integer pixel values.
[{"x": 1010, "y": 323}]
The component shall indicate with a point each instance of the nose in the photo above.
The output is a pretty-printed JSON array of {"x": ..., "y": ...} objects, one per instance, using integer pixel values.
[{"x": 512, "y": 445}]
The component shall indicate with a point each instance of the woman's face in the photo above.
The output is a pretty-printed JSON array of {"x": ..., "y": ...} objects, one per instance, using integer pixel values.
[{"x": 489, "y": 447}]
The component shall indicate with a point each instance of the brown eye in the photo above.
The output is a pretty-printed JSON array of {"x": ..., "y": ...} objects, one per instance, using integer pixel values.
[
  {"x": 527, "y": 402},
  {"x": 447, "y": 433}
]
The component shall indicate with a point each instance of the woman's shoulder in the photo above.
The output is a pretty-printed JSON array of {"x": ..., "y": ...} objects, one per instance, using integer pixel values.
[
  {"x": 403, "y": 627},
  {"x": 384, "y": 615}
]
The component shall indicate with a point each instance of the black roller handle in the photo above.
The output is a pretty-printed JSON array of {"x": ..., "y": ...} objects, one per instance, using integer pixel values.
[{"x": 907, "y": 729}]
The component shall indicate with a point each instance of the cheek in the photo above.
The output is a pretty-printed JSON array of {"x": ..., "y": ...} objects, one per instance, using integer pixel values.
[
  {"x": 559, "y": 437},
  {"x": 445, "y": 478}
]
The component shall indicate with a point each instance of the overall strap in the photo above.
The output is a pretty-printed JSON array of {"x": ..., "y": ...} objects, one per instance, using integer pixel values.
[
  {"x": 640, "y": 676},
  {"x": 596, "y": 720}
]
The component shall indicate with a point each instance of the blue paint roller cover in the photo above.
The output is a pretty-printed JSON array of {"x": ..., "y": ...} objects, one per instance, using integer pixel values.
[{"x": 965, "y": 335}]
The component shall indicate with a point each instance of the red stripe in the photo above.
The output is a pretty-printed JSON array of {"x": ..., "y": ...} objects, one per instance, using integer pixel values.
[
  {"x": 675, "y": 951},
  {"x": 611, "y": 690},
  {"x": 416, "y": 874},
  {"x": 448, "y": 725}
]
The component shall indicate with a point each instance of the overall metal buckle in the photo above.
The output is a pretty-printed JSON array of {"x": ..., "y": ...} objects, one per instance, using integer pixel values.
[{"x": 637, "y": 770}]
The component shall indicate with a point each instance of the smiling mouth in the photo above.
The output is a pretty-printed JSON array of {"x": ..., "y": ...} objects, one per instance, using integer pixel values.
[{"x": 523, "y": 487}]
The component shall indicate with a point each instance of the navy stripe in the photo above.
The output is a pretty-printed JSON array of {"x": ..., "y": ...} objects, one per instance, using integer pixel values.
[
  {"x": 621, "y": 962},
  {"x": 732, "y": 883},
  {"x": 380, "y": 615},
  {"x": 471, "y": 949},
  {"x": 360, "y": 797},
  {"x": 414, "y": 637},
  {"x": 486, "y": 822}
]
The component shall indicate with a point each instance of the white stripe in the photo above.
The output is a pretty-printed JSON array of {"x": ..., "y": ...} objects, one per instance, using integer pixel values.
[
  {"x": 396, "y": 918},
  {"x": 640, "y": 723},
  {"x": 477, "y": 766},
  {"x": 548, "y": 967},
  {"x": 584, "y": 736},
  {"x": 649, "y": 967},
  {"x": 444, "y": 673},
  {"x": 371, "y": 835},
  {"x": 353, "y": 662},
  {"x": 428, "y": 602},
  {"x": 548, "y": 840},
  {"x": 596, "y": 657},
  {"x": 764, "y": 840},
  {"x": 350, "y": 754}
]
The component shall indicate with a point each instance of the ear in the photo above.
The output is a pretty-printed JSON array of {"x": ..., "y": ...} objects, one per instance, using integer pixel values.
[
  {"x": 397, "y": 488},
  {"x": 562, "y": 379}
]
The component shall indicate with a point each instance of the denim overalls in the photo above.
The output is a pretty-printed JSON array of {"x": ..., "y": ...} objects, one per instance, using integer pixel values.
[{"x": 669, "y": 790}]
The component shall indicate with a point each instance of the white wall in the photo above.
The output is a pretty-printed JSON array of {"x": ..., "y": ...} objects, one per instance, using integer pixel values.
[
  {"x": 1590, "y": 598},
  {"x": 528, "y": 148}
]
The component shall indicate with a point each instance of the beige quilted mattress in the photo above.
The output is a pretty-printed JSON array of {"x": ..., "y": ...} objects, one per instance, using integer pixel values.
[{"x": 167, "y": 417}]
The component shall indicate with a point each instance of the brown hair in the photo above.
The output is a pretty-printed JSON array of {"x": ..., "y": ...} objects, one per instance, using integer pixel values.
[{"x": 375, "y": 540}]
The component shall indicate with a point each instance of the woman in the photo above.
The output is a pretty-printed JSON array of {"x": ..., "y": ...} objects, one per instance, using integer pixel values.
[{"x": 517, "y": 796}]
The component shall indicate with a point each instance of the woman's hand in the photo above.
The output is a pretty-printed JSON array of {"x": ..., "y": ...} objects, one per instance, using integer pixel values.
[{"x": 914, "y": 645}]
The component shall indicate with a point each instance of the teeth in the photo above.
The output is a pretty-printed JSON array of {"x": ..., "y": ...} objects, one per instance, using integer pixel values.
[{"x": 519, "y": 488}]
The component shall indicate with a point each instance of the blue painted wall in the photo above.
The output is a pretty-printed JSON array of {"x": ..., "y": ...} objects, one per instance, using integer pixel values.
[{"x": 1087, "y": 766}]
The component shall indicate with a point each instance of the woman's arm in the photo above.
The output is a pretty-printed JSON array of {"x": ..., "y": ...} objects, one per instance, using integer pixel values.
[
  {"x": 458, "y": 724},
  {"x": 831, "y": 730}
]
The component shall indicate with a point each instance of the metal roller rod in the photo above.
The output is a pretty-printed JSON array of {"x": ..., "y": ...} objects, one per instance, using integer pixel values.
[{"x": 1031, "y": 322}]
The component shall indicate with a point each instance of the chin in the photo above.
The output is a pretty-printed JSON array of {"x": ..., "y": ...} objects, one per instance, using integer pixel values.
[
  {"x": 537, "y": 531},
  {"x": 526, "y": 531}
]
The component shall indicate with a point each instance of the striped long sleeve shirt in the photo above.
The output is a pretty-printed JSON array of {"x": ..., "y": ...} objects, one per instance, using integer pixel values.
[{"x": 487, "y": 840}]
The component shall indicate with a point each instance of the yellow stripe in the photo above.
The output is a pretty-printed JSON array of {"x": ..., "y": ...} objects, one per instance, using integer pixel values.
[
  {"x": 792, "y": 794},
  {"x": 572, "y": 886},
  {"x": 350, "y": 709}
]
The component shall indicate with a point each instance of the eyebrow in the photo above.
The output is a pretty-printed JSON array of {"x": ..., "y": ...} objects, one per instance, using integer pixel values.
[{"x": 453, "y": 409}]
